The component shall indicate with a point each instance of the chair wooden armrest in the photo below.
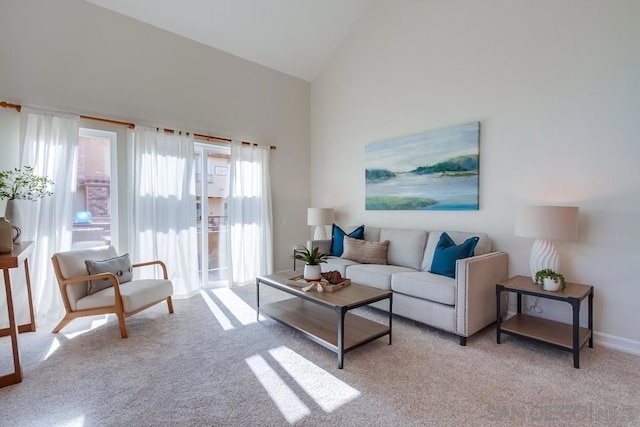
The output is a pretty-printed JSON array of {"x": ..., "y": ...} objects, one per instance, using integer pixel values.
[
  {"x": 157, "y": 262},
  {"x": 86, "y": 278},
  {"x": 63, "y": 283}
]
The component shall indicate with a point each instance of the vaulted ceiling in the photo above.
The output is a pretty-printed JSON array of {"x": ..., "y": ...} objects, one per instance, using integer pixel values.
[{"x": 296, "y": 37}]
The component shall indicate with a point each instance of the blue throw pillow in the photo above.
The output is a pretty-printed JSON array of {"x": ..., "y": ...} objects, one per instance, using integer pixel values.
[
  {"x": 447, "y": 252},
  {"x": 337, "y": 238}
]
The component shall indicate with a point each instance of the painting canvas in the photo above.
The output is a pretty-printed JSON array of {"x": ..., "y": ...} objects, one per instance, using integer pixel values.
[{"x": 435, "y": 170}]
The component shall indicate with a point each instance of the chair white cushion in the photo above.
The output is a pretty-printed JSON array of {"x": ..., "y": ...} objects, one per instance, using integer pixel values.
[
  {"x": 72, "y": 265},
  {"x": 135, "y": 294}
]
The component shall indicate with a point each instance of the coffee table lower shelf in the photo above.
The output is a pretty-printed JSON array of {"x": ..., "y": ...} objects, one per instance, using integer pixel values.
[{"x": 320, "y": 324}]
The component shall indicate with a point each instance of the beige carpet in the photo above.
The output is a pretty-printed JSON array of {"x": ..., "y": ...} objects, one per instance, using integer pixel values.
[{"x": 212, "y": 364}]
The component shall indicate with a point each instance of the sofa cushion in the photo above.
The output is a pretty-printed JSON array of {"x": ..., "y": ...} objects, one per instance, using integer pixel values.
[
  {"x": 406, "y": 247},
  {"x": 365, "y": 252},
  {"x": 120, "y": 266},
  {"x": 338, "y": 264},
  {"x": 378, "y": 276},
  {"x": 337, "y": 238},
  {"x": 447, "y": 253},
  {"x": 424, "y": 285},
  {"x": 372, "y": 234},
  {"x": 483, "y": 246}
]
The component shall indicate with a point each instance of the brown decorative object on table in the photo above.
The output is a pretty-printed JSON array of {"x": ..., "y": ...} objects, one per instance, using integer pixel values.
[{"x": 333, "y": 277}]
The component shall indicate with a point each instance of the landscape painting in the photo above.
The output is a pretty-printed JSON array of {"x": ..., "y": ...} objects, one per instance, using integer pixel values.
[{"x": 435, "y": 170}]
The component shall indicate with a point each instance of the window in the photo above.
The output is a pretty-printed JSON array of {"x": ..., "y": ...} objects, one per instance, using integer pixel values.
[{"x": 94, "y": 221}]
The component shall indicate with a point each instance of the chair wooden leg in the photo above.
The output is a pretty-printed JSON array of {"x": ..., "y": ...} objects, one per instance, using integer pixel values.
[
  {"x": 170, "y": 304},
  {"x": 64, "y": 322},
  {"x": 123, "y": 325}
]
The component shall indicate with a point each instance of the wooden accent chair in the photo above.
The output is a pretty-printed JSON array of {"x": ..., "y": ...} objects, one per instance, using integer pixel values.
[{"x": 112, "y": 295}]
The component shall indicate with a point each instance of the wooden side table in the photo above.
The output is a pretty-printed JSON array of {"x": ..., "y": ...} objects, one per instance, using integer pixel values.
[
  {"x": 561, "y": 335},
  {"x": 8, "y": 261}
]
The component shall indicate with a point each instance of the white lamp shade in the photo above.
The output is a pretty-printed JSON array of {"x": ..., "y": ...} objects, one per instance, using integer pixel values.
[
  {"x": 547, "y": 222},
  {"x": 319, "y": 216}
]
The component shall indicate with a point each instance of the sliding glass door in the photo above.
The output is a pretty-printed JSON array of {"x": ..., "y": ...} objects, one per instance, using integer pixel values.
[{"x": 212, "y": 166}]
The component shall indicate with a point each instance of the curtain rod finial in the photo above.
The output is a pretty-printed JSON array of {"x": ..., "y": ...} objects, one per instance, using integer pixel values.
[{"x": 17, "y": 107}]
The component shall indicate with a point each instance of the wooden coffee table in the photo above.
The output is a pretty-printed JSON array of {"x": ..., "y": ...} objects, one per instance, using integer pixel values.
[{"x": 324, "y": 316}]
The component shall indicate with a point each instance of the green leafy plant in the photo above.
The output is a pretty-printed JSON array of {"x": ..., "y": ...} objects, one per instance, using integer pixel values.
[
  {"x": 313, "y": 257},
  {"x": 548, "y": 273},
  {"x": 23, "y": 184}
]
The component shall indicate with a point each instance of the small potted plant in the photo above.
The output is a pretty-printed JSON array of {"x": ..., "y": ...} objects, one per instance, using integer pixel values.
[
  {"x": 549, "y": 280},
  {"x": 312, "y": 260}
]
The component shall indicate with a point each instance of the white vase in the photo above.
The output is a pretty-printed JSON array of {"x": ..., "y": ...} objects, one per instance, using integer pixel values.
[
  {"x": 12, "y": 214},
  {"x": 550, "y": 284},
  {"x": 312, "y": 272}
]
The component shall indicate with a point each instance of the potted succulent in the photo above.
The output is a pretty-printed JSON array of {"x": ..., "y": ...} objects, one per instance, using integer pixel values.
[
  {"x": 549, "y": 280},
  {"x": 312, "y": 259},
  {"x": 22, "y": 184}
]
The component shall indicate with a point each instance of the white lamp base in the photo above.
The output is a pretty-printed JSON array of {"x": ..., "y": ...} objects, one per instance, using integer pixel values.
[
  {"x": 544, "y": 254},
  {"x": 320, "y": 233}
]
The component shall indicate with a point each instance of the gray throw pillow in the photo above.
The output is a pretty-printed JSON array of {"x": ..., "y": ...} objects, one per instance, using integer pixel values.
[{"x": 120, "y": 266}]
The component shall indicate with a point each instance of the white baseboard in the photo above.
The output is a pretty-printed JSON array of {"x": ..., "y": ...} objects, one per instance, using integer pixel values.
[
  {"x": 613, "y": 342},
  {"x": 617, "y": 343}
]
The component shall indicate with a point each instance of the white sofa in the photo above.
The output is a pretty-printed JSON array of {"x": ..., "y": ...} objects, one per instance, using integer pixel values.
[{"x": 462, "y": 305}]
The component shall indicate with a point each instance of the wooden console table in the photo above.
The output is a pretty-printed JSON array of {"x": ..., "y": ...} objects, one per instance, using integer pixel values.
[{"x": 8, "y": 261}]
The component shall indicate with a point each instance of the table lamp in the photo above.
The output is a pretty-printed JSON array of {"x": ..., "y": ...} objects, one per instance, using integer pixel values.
[
  {"x": 546, "y": 224},
  {"x": 320, "y": 217}
]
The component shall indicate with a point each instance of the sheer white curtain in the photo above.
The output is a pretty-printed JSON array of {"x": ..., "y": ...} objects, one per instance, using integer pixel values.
[
  {"x": 49, "y": 144},
  {"x": 250, "y": 218},
  {"x": 162, "y": 204}
]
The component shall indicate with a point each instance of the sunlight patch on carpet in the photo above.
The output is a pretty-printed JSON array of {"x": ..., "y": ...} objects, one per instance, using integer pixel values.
[
  {"x": 55, "y": 344},
  {"x": 329, "y": 392},
  {"x": 76, "y": 422},
  {"x": 94, "y": 324},
  {"x": 217, "y": 313},
  {"x": 285, "y": 399},
  {"x": 240, "y": 309}
]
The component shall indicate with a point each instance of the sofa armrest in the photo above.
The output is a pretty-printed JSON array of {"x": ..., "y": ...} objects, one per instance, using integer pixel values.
[
  {"x": 322, "y": 245},
  {"x": 475, "y": 296}
]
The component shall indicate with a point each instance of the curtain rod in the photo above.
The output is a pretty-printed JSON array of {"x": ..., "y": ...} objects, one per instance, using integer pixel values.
[{"x": 207, "y": 138}]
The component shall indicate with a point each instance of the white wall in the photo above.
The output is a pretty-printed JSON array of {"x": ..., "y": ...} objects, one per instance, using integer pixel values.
[
  {"x": 555, "y": 87},
  {"x": 73, "y": 56}
]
